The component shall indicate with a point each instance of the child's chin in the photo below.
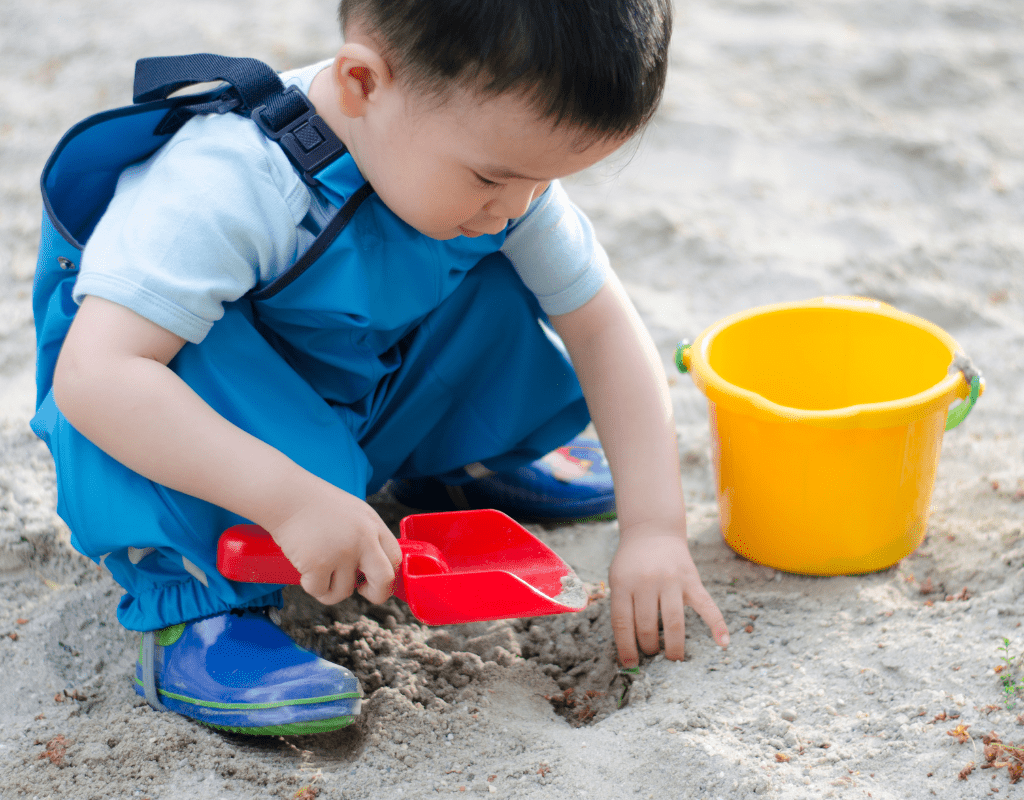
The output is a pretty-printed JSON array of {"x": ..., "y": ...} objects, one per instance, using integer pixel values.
[{"x": 442, "y": 236}]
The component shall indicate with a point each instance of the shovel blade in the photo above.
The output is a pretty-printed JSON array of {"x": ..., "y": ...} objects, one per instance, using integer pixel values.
[
  {"x": 496, "y": 570},
  {"x": 455, "y": 598}
]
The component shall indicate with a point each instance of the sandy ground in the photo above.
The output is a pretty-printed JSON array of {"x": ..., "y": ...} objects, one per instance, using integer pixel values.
[{"x": 871, "y": 147}]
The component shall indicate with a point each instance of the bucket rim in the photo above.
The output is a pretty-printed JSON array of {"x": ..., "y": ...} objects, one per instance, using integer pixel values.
[{"x": 886, "y": 414}]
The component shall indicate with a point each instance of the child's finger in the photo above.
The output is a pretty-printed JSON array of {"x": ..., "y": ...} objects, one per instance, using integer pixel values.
[
  {"x": 391, "y": 549},
  {"x": 380, "y": 575},
  {"x": 623, "y": 629},
  {"x": 342, "y": 581},
  {"x": 316, "y": 583},
  {"x": 645, "y": 609},
  {"x": 673, "y": 623},
  {"x": 701, "y": 602}
]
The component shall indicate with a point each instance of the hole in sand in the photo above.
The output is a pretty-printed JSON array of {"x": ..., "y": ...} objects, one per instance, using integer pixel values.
[{"x": 568, "y": 659}]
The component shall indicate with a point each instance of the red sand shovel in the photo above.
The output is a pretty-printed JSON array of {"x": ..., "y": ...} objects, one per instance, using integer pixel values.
[{"x": 457, "y": 566}]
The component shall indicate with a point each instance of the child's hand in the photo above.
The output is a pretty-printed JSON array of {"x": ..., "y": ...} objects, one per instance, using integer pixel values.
[
  {"x": 333, "y": 535},
  {"x": 653, "y": 571}
]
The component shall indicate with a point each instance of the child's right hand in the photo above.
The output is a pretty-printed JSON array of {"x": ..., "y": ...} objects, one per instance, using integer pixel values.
[{"x": 333, "y": 535}]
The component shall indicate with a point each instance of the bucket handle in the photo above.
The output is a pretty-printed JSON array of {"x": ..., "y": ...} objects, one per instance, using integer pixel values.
[
  {"x": 958, "y": 413},
  {"x": 682, "y": 347},
  {"x": 961, "y": 363}
]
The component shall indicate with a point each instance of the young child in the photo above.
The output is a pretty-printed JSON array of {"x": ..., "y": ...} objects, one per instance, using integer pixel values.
[{"x": 223, "y": 367}]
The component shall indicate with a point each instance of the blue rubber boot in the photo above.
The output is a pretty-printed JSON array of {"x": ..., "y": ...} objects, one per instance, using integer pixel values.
[
  {"x": 570, "y": 484},
  {"x": 239, "y": 672}
]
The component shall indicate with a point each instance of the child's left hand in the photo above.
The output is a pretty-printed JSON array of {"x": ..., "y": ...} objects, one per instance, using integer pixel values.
[
  {"x": 653, "y": 572},
  {"x": 626, "y": 390}
]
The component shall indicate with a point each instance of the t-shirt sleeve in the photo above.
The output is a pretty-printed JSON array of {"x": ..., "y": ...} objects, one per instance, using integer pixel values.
[
  {"x": 555, "y": 252},
  {"x": 197, "y": 225}
]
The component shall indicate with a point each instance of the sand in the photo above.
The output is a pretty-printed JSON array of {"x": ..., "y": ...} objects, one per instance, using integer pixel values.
[{"x": 869, "y": 147}]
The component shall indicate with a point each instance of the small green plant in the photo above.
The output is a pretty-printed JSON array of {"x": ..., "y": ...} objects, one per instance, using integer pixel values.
[
  {"x": 628, "y": 675},
  {"x": 1007, "y": 676}
]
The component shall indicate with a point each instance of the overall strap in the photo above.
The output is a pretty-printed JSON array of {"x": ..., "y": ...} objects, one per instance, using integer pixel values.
[
  {"x": 256, "y": 91},
  {"x": 284, "y": 115},
  {"x": 324, "y": 240}
]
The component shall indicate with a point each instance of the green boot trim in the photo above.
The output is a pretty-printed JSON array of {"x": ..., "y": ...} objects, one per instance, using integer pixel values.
[
  {"x": 298, "y": 701},
  {"x": 291, "y": 729},
  {"x": 169, "y": 635},
  {"x": 606, "y": 517},
  {"x": 165, "y": 637}
]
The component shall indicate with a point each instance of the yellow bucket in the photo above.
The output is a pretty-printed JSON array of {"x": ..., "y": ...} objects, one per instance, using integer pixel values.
[{"x": 827, "y": 419}]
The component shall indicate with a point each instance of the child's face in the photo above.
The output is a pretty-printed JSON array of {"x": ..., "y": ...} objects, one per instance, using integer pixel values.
[{"x": 467, "y": 166}]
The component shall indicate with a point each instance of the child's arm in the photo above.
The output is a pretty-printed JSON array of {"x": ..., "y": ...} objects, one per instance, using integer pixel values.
[
  {"x": 113, "y": 385},
  {"x": 627, "y": 393}
]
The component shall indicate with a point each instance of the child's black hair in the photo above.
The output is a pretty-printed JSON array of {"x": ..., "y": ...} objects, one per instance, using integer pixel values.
[{"x": 598, "y": 65}]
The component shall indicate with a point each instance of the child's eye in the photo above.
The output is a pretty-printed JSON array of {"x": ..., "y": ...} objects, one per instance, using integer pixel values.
[{"x": 484, "y": 182}]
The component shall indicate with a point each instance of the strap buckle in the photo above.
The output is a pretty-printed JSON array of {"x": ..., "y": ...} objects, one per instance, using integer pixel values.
[{"x": 307, "y": 140}]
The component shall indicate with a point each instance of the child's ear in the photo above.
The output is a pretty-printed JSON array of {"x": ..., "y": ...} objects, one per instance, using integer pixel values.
[{"x": 359, "y": 71}]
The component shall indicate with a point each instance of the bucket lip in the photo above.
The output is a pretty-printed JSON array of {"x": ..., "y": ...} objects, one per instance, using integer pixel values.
[{"x": 889, "y": 413}]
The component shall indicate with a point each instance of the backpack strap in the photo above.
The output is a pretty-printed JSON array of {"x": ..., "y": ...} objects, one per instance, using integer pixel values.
[{"x": 284, "y": 115}]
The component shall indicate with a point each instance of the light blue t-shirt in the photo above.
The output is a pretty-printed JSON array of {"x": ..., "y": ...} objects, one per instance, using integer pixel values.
[{"x": 220, "y": 210}]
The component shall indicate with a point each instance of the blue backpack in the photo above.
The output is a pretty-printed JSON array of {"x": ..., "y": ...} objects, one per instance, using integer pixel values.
[{"x": 81, "y": 174}]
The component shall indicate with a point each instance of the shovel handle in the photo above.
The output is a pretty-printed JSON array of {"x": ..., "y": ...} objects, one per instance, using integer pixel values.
[{"x": 249, "y": 554}]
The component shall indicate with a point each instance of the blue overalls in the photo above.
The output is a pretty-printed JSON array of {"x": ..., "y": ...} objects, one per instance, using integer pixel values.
[{"x": 381, "y": 353}]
